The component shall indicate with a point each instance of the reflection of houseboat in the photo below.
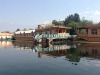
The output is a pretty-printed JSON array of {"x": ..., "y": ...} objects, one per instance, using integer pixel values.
[
  {"x": 52, "y": 50},
  {"x": 28, "y": 45},
  {"x": 24, "y": 35},
  {"x": 52, "y": 33},
  {"x": 5, "y": 44},
  {"x": 53, "y": 47},
  {"x": 90, "y": 50},
  {"x": 90, "y": 33}
]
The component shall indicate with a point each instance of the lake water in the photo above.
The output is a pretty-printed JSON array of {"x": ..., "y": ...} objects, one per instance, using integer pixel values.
[{"x": 25, "y": 58}]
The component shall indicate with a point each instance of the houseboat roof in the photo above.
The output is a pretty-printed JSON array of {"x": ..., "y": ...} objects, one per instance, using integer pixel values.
[
  {"x": 5, "y": 34},
  {"x": 90, "y": 26},
  {"x": 28, "y": 31},
  {"x": 52, "y": 27}
]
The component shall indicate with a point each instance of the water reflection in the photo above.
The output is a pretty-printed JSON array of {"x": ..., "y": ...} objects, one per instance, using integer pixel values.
[
  {"x": 71, "y": 52},
  {"x": 91, "y": 50},
  {"x": 23, "y": 58},
  {"x": 5, "y": 44},
  {"x": 21, "y": 45}
]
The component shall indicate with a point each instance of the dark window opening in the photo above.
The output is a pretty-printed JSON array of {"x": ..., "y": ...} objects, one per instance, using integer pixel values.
[{"x": 94, "y": 31}]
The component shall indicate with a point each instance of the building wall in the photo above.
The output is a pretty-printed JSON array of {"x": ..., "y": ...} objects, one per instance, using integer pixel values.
[
  {"x": 94, "y": 35},
  {"x": 6, "y": 35},
  {"x": 90, "y": 36},
  {"x": 54, "y": 31},
  {"x": 24, "y": 36}
]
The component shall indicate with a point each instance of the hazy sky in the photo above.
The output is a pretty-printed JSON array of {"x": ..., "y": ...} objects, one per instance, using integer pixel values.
[{"x": 29, "y": 13}]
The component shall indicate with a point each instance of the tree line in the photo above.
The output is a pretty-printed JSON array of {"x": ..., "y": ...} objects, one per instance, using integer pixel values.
[{"x": 73, "y": 21}]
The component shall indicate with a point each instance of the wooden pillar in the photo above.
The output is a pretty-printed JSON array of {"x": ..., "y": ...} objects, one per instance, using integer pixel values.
[
  {"x": 58, "y": 30},
  {"x": 87, "y": 30},
  {"x": 65, "y": 31}
]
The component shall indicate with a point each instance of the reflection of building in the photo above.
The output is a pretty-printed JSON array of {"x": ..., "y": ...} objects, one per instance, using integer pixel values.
[
  {"x": 52, "y": 47},
  {"x": 90, "y": 50},
  {"x": 52, "y": 33},
  {"x": 24, "y": 35},
  {"x": 5, "y": 44},
  {"x": 5, "y": 35},
  {"x": 53, "y": 50},
  {"x": 28, "y": 45},
  {"x": 91, "y": 33}
]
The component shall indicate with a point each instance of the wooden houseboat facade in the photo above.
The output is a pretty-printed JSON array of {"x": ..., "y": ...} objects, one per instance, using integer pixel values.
[
  {"x": 52, "y": 34},
  {"x": 24, "y": 35},
  {"x": 89, "y": 33}
]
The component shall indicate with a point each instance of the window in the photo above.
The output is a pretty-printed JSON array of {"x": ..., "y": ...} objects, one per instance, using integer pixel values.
[
  {"x": 83, "y": 31},
  {"x": 94, "y": 51},
  {"x": 94, "y": 31}
]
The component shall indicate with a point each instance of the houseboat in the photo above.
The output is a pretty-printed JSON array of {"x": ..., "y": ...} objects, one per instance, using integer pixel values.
[
  {"x": 89, "y": 33},
  {"x": 52, "y": 34},
  {"x": 24, "y": 35},
  {"x": 5, "y": 35}
]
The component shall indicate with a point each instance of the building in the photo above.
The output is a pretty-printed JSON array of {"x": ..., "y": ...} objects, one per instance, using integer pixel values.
[
  {"x": 90, "y": 33},
  {"x": 52, "y": 33},
  {"x": 24, "y": 35},
  {"x": 5, "y": 35}
]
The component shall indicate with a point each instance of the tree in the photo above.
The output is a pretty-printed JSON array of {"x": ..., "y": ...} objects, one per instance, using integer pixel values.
[
  {"x": 99, "y": 23},
  {"x": 76, "y": 17},
  {"x": 72, "y": 18},
  {"x": 73, "y": 31},
  {"x": 57, "y": 23},
  {"x": 24, "y": 29},
  {"x": 18, "y": 29},
  {"x": 84, "y": 22},
  {"x": 73, "y": 24}
]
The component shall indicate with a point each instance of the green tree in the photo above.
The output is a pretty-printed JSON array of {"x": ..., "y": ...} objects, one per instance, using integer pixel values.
[
  {"x": 57, "y": 23},
  {"x": 76, "y": 17},
  {"x": 73, "y": 24},
  {"x": 73, "y": 31},
  {"x": 72, "y": 18},
  {"x": 84, "y": 22}
]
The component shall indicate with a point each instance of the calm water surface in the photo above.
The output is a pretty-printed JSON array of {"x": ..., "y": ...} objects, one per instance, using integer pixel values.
[{"x": 23, "y": 58}]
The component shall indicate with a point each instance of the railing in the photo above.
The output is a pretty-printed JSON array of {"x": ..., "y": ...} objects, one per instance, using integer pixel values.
[
  {"x": 59, "y": 47},
  {"x": 53, "y": 36}
]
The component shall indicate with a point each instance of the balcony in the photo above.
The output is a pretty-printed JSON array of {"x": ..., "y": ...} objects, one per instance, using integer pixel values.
[{"x": 53, "y": 36}]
